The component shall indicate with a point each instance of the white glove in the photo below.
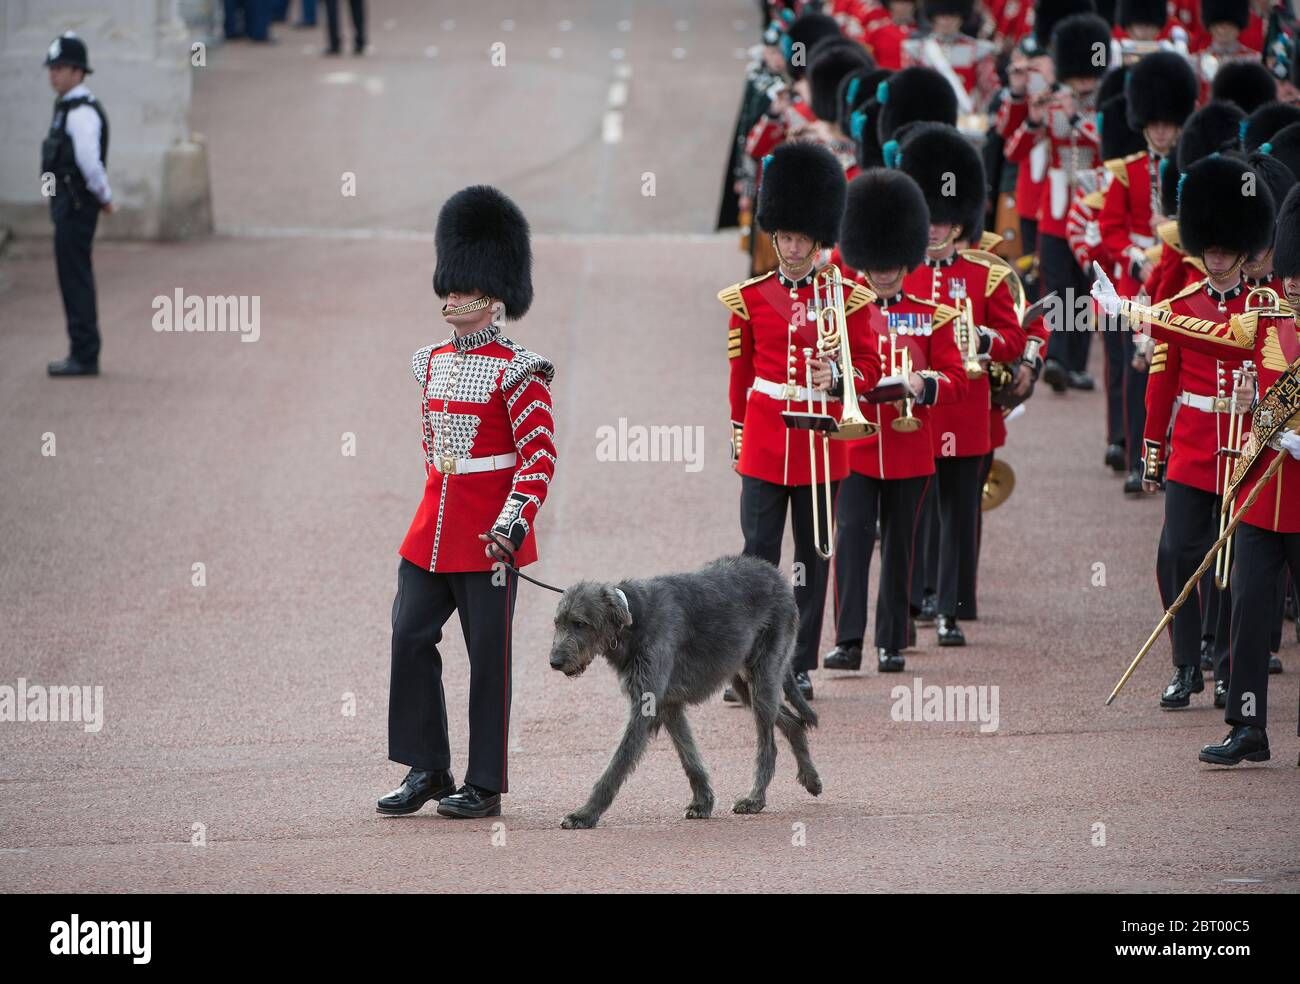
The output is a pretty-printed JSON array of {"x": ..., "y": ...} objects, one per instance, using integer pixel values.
[
  {"x": 1290, "y": 441},
  {"x": 1103, "y": 291}
]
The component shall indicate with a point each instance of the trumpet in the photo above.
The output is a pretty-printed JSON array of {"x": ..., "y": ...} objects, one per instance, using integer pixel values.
[
  {"x": 1228, "y": 456},
  {"x": 900, "y": 362},
  {"x": 966, "y": 333}
]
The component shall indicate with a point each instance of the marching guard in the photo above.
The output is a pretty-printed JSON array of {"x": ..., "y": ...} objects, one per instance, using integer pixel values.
[
  {"x": 885, "y": 232},
  {"x": 489, "y": 447},
  {"x": 776, "y": 366},
  {"x": 978, "y": 285}
]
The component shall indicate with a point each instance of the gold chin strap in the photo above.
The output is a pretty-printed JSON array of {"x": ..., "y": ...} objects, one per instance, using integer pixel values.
[
  {"x": 475, "y": 305},
  {"x": 953, "y": 234},
  {"x": 812, "y": 257}
]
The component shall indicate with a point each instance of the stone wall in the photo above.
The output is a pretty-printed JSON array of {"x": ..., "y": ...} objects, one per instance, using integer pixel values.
[{"x": 140, "y": 53}]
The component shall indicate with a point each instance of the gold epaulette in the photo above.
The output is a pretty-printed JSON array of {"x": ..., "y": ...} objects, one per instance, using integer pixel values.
[
  {"x": 731, "y": 299},
  {"x": 1159, "y": 357},
  {"x": 988, "y": 240},
  {"x": 942, "y": 315},
  {"x": 859, "y": 297},
  {"x": 1119, "y": 166},
  {"x": 1095, "y": 200},
  {"x": 1168, "y": 233},
  {"x": 997, "y": 271},
  {"x": 1187, "y": 291},
  {"x": 1273, "y": 357}
]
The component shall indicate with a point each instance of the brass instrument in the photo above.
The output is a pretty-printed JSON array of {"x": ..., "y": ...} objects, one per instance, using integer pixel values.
[
  {"x": 998, "y": 486},
  {"x": 825, "y": 546},
  {"x": 1228, "y": 456},
  {"x": 967, "y": 336},
  {"x": 900, "y": 364}
]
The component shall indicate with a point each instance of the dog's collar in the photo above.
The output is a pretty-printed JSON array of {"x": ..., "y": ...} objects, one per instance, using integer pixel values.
[{"x": 623, "y": 598}]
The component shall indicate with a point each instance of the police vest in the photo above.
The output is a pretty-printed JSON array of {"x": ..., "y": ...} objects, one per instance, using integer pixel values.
[{"x": 58, "y": 156}]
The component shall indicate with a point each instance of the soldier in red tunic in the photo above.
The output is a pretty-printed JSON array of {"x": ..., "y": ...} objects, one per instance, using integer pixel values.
[
  {"x": 886, "y": 228},
  {"x": 1223, "y": 238},
  {"x": 489, "y": 450},
  {"x": 772, "y": 334},
  {"x": 1267, "y": 542}
]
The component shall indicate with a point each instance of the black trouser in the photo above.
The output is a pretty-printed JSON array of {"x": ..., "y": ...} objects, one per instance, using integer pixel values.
[
  {"x": 1222, "y": 631},
  {"x": 1260, "y": 557},
  {"x": 358, "y": 10},
  {"x": 897, "y": 503},
  {"x": 960, "y": 491},
  {"x": 1135, "y": 403},
  {"x": 1029, "y": 246},
  {"x": 1117, "y": 354},
  {"x": 925, "y": 551},
  {"x": 417, "y": 706},
  {"x": 762, "y": 523},
  {"x": 1191, "y": 527},
  {"x": 1061, "y": 273},
  {"x": 74, "y": 232}
]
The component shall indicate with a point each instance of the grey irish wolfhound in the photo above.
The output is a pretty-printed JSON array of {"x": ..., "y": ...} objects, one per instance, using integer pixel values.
[{"x": 676, "y": 640}]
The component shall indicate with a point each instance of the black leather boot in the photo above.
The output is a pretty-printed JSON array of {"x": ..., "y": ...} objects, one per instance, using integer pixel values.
[
  {"x": 71, "y": 367},
  {"x": 419, "y": 786},
  {"x": 929, "y": 609},
  {"x": 1115, "y": 457},
  {"x": 845, "y": 656},
  {"x": 889, "y": 661},
  {"x": 1220, "y": 693},
  {"x": 1245, "y": 743},
  {"x": 804, "y": 682},
  {"x": 470, "y": 803},
  {"x": 950, "y": 633},
  {"x": 1187, "y": 680},
  {"x": 1133, "y": 482},
  {"x": 1274, "y": 664}
]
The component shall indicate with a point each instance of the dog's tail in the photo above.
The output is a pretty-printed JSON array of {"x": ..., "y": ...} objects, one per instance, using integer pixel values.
[{"x": 803, "y": 710}]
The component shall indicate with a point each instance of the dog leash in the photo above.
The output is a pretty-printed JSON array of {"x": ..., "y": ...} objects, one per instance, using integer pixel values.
[{"x": 509, "y": 565}]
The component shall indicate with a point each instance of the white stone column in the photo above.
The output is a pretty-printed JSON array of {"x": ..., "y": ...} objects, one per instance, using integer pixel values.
[{"x": 140, "y": 53}]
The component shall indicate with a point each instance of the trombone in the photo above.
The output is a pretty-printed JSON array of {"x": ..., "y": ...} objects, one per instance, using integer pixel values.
[{"x": 1229, "y": 455}]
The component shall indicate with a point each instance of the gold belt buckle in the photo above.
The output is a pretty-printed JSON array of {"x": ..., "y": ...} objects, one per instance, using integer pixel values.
[
  {"x": 1220, "y": 405},
  {"x": 447, "y": 465},
  {"x": 789, "y": 392}
]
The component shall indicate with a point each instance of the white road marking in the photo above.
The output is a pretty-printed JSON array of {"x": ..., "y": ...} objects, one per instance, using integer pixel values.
[
  {"x": 617, "y": 95},
  {"x": 616, "y": 53},
  {"x": 431, "y": 51},
  {"x": 623, "y": 71},
  {"x": 625, "y": 26},
  {"x": 679, "y": 53},
  {"x": 566, "y": 25},
  {"x": 339, "y": 78},
  {"x": 556, "y": 52},
  {"x": 611, "y": 130}
]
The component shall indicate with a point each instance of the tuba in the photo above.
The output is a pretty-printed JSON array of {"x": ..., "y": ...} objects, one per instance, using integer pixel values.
[
  {"x": 998, "y": 485},
  {"x": 833, "y": 343}
]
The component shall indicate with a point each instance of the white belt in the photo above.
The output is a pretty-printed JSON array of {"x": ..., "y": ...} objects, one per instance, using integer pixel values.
[
  {"x": 785, "y": 391},
  {"x": 1207, "y": 404},
  {"x": 448, "y": 465}
]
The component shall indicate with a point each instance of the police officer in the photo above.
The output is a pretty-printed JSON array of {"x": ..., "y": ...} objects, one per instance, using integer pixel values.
[{"x": 74, "y": 156}]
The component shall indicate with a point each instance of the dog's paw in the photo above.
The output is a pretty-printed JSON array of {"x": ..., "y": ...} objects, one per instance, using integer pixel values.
[
  {"x": 699, "y": 811},
  {"x": 810, "y": 781},
  {"x": 748, "y": 805},
  {"x": 578, "y": 821}
]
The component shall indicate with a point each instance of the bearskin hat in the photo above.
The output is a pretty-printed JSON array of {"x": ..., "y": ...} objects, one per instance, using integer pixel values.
[
  {"x": 1118, "y": 139},
  {"x": 864, "y": 127},
  {"x": 801, "y": 190},
  {"x": 1130, "y": 12},
  {"x": 886, "y": 222},
  {"x": 1284, "y": 146},
  {"x": 1279, "y": 178},
  {"x": 1260, "y": 125},
  {"x": 1212, "y": 129},
  {"x": 1169, "y": 186},
  {"x": 1161, "y": 88},
  {"x": 804, "y": 32},
  {"x": 1081, "y": 47},
  {"x": 956, "y": 8},
  {"x": 1233, "y": 11},
  {"x": 1286, "y": 244},
  {"x": 916, "y": 93},
  {"x": 856, "y": 90},
  {"x": 1218, "y": 206},
  {"x": 950, "y": 173},
  {"x": 482, "y": 245},
  {"x": 1049, "y": 13},
  {"x": 830, "y": 62},
  {"x": 1246, "y": 83}
]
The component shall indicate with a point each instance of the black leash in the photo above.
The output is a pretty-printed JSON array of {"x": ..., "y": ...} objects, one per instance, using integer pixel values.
[{"x": 509, "y": 565}]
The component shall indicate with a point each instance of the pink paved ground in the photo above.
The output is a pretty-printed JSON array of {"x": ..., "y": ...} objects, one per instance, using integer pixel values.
[{"x": 223, "y": 703}]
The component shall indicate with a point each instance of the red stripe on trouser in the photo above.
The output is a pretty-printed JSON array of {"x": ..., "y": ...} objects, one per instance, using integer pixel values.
[{"x": 505, "y": 691}]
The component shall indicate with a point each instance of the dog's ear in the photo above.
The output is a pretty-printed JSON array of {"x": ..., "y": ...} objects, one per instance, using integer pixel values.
[{"x": 617, "y": 602}]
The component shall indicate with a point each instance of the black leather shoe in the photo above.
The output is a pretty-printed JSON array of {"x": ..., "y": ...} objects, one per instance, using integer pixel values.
[
  {"x": 1133, "y": 482},
  {"x": 1245, "y": 743},
  {"x": 1055, "y": 376},
  {"x": 419, "y": 786},
  {"x": 1082, "y": 381},
  {"x": 950, "y": 633},
  {"x": 1220, "y": 693},
  {"x": 929, "y": 609},
  {"x": 1274, "y": 664},
  {"x": 845, "y": 656},
  {"x": 470, "y": 802},
  {"x": 1207, "y": 657},
  {"x": 729, "y": 696},
  {"x": 890, "y": 661},
  {"x": 71, "y": 367},
  {"x": 804, "y": 683},
  {"x": 1187, "y": 680},
  {"x": 1115, "y": 457}
]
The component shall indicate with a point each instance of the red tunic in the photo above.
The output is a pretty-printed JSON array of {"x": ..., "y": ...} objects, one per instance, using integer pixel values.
[
  {"x": 1029, "y": 178},
  {"x": 1071, "y": 150},
  {"x": 483, "y": 395},
  {"x": 1129, "y": 216},
  {"x": 961, "y": 428},
  {"x": 1273, "y": 344},
  {"x": 768, "y": 333},
  {"x": 1198, "y": 435}
]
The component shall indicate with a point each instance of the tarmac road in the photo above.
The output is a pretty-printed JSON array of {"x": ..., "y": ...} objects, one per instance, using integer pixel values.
[{"x": 225, "y": 704}]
